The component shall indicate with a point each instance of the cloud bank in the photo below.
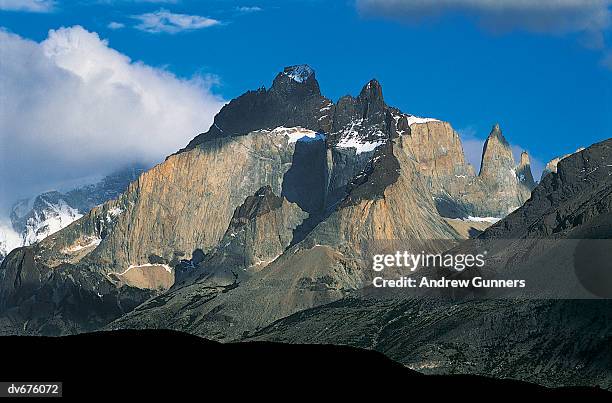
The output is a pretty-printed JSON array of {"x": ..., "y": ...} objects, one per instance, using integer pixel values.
[
  {"x": 165, "y": 21},
  {"x": 556, "y": 16},
  {"x": 73, "y": 108},
  {"x": 34, "y": 6}
]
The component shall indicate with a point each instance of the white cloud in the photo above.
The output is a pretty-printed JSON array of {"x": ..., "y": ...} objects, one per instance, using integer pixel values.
[
  {"x": 115, "y": 25},
  {"x": 35, "y": 6},
  {"x": 165, "y": 21},
  {"x": 74, "y": 108},
  {"x": 9, "y": 239},
  {"x": 550, "y": 16},
  {"x": 248, "y": 9}
]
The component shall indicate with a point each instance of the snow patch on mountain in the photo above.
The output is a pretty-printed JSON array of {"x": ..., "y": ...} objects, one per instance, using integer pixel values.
[
  {"x": 350, "y": 137},
  {"x": 299, "y": 73},
  {"x": 50, "y": 220},
  {"x": 112, "y": 213},
  {"x": 92, "y": 242},
  {"x": 298, "y": 133},
  {"x": 360, "y": 146},
  {"x": 413, "y": 120},
  {"x": 140, "y": 266},
  {"x": 491, "y": 220}
]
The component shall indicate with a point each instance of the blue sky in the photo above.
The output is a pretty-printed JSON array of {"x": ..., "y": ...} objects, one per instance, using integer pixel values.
[{"x": 545, "y": 74}]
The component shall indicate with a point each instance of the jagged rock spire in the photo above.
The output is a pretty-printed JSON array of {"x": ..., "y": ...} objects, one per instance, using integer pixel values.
[
  {"x": 371, "y": 100},
  {"x": 523, "y": 172},
  {"x": 525, "y": 159},
  {"x": 496, "y": 154}
]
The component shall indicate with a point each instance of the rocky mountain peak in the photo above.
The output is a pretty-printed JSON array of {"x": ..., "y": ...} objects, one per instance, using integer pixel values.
[
  {"x": 372, "y": 91},
  {"x": 293, "y": 100},
  {"x": 523, "y": 172},
  {"x": 371, "y": 100},
  {"x": 497, "y": 135},
  {"x": 299, "y": 80},
  {"x": 524, "y": 159},
  {"x": 496, "y": 154},
  {"x": 299, "y": 73}
]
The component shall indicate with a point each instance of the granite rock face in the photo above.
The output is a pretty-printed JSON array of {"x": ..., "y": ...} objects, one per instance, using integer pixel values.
[
  {"x": 182, "y": 204},
  {"x": 387, "y": 202},
  {"x": 355, "y": 126},
  {"x": 250, "y": 279},
  {"x": 499, "y": 188},
  {"x": 260, "y": 230}
]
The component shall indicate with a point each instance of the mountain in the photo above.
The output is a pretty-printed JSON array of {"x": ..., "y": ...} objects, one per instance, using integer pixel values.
[
  {"x": 548, "y": 341},
  {"x": 36, "y": 218},
  {"x": 261, "y": 217},
  {"x": 388, "y": 201},
  {"x": 500, "y": 187}
]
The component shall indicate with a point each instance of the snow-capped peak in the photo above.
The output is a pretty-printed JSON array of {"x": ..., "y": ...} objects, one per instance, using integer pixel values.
[
  {"x": 49, "y": 220},
  {"x": 299, "y": 73}
]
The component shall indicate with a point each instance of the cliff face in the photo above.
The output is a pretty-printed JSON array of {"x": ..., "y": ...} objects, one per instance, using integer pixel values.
[
  {"x": 523, "y": 172},
  {"x": 388, "y": 202},
  {"x": 355, "y": 126},
  {"x": 182, "y": 204},
  {"x": 260, "y": 230}
]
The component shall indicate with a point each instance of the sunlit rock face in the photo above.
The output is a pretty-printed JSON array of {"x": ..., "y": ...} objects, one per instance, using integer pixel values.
[{"x": 500, "y": 187}]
